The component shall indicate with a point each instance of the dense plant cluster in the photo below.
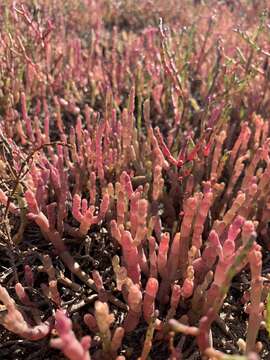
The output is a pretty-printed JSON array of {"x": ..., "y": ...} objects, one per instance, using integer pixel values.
[{"x": 135, "y": 166}]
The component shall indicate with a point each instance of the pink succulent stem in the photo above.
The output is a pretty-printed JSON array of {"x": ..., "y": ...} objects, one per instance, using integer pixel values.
[
  {"x": 131, "y": 258},
  {"x": 14, "y": 321},
  {"x": 256, "y": 307},
  {"x": 149, "y": 298},
  {"x": 135, "y": 308},
  {"x": 67, "y": 341}
]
